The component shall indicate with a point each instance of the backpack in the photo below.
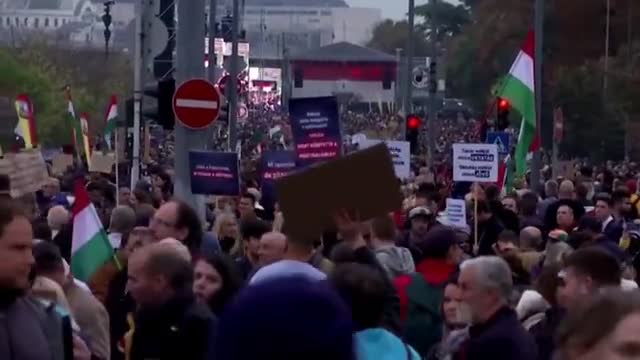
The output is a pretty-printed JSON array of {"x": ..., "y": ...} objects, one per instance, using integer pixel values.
[{"x": 423, "y": 326}]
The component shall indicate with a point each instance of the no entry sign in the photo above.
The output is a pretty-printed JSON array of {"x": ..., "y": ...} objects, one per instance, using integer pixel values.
[{"x": 196, "y": 104}]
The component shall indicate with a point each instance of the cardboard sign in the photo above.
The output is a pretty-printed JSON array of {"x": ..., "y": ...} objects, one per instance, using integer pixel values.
[
  {"x": 475, "y": 162},
  {"x": 400, "y": 155},
  {"x": 102, "y": 163},
  {"x": 310, "y": 198},
  {"x": 27, "y": 172},
  {"x": 565, "y": 169},
  {"x": 60, "y": 163}
]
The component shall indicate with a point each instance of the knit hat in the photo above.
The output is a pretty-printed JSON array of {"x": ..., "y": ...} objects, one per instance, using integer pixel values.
[{"x": 286, "y": 319}]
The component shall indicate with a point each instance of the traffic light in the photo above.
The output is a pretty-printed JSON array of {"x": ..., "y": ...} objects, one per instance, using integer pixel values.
[
  {"x": 502, "y": 118},
  {"x": 412, "y": 126},
  {"x": 163, "y": 113}
]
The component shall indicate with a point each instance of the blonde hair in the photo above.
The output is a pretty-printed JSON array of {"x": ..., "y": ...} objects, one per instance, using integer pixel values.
[{"x": 217, "y": 229}]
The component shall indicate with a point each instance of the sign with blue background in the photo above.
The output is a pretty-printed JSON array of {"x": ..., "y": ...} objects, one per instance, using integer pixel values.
[
  {"x": 274, "y": 165},
  {"x": 502, "y": 139},
  {"x": 214, "y": 173},
  {"x": 315, "y": 127}
]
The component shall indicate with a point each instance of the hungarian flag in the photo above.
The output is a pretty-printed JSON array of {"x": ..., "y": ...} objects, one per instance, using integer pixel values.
[
  {"x": 519, "y": 89},
  {"x": 90, "y": 247},
  {"x": 86, "y": 143},
  {"x": 112, "y": 120},
  {"x": 505, "y": 176},
  {"x": 26, "y": 127}
]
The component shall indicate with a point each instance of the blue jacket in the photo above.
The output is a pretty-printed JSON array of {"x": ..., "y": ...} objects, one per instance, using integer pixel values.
[{"x": 380, "y": 344}]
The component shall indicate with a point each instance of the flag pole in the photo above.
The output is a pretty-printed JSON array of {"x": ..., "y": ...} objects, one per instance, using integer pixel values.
[{"x": 117, "y": 167}]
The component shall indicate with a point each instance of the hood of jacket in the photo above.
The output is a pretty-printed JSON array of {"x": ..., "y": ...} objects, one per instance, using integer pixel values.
[
  {"x": 380, "y": 344},
  {"x": 396, "y": 260}
]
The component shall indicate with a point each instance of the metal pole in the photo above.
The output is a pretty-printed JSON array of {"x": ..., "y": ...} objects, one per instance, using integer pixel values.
[
  {"x": 137, "y": 92},
  {"x": 605, "y": 82},
  {"x": 399, "y": 98},
  {"x": 433, "y": 87},
  {"x": 539, "y": 46},
  {"x": 233, "y": 78},
  {"x": 212, "y": 70},
  {"x": 190, "y": 37},
  {"x": 408, "y": 108}
]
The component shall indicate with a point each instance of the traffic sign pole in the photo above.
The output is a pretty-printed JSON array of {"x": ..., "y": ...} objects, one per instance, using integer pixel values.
[{"x": 190, "y": 37}]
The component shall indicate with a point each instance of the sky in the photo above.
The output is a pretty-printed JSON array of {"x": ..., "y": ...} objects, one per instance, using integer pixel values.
[{"x": 394, "y": 9}]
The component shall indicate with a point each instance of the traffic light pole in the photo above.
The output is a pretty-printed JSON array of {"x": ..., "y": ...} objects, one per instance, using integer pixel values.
[
  {"x": 233, "y": 78},
  {"x": 433, "y": 88},
  {"x": 408, "y": 83},
  {"x": 212, "y": 70},
  {"x": 190, "y": 37}
]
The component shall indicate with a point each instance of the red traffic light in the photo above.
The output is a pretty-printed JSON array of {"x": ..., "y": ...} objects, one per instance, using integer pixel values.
[
  {"x": 503, "y": 104},
  {"x": 413, "y": 122}
]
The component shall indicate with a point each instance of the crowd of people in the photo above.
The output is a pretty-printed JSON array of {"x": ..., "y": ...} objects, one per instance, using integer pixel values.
[{"x": 546, "y": 274}]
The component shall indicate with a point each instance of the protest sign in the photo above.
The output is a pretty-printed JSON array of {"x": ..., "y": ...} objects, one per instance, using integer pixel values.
[
  {"x": 315, "y": 126},
  {"x": 274, "y": 165},
  {"x": 60, "y": 163},
  {"x": 348, "y": 184},
  {"x": 214, "y": 173},
  {"x": 102, "y": 163},
  {"x": 456, "y": 213},
  {"x": 565, "y": 169},
  {"x": 475, "y": 162},
  {"x": 400, "y": 155},
  {"x": 27, "y": 172}
]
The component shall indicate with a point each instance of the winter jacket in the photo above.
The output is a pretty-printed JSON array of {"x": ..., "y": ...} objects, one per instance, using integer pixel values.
[
  {"x": 531, "y": 309},
  {"x": 395, "y": 260},
  {"x": 380, "y": 344},
  {"x": 181, "y": 329},
  {"x": 31, "y": 330},
  {"x": 500, "y": 338}
]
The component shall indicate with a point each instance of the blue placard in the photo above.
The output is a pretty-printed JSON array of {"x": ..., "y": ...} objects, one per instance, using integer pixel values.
[
  {"x": 214, "y": 173},
  {"x": 274, "y": 165},
  {"x": 502, "y": 139},
  {"x": 315, "y": 127}
]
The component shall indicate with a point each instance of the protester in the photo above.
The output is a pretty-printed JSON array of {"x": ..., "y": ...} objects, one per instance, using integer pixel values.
[
  {"x": 421, "y": 292},
  {"x": 421, "y": 220},
  {"x": 455, "y": 325},
  {"x": 530, "y": 242},
  {"x": 123, "y": 219},
  {"x": 57, "y": 218},
  {"x": 489, "y": 228},
  {"x": 216, "y": 281},
  {"x": 169, "y": 323},
  {"x": 394, "y": 259},
  {"x": 227, "y": 231},
  {"x": 611, "y": 227},
  {"x": 495, "y": 332},
  {"x": 363, "y": 289},
  {"x": 251, "y": 230},
  {"x": 272, "y": 248},
  {"x": 529, "y": 211}
]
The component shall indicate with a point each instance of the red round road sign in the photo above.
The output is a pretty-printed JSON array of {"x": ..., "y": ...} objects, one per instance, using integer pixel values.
[{"x": 196, "y": 104}]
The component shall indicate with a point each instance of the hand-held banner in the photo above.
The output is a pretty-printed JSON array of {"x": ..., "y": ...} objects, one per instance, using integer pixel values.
[{"x": 214, "y": 173}]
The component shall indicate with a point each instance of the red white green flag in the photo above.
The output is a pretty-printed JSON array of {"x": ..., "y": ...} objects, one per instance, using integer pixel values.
[
  {"x": 90, "y": 246},
  {"x": 111, "y": 120},
  {"x": 518, "y": 88}
]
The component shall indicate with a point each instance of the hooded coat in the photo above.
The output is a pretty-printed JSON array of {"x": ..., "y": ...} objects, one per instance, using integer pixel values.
[{"x": 395, "y": 260}]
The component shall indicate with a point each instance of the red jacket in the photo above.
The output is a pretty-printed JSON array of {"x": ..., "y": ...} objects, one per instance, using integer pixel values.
[{"x": 434, "y": 271}]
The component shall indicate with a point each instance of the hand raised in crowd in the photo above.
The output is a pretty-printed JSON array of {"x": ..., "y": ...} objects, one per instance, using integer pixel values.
[{"x": 349, "y": 228}]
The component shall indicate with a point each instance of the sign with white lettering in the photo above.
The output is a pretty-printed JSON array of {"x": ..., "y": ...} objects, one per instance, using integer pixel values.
[
  {"x": 456, "y": 213},
  {"x": 400, "y": 155},
  {"x": 475, "y": 162}
]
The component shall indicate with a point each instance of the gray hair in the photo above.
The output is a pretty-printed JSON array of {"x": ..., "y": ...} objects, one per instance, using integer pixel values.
[
  {"x": 551, "y": 188},
  {"x": 492, "y": 272},
  {"x": 123, "y": 219}
]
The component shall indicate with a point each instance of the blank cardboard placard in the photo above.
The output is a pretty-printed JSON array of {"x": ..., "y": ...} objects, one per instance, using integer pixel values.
[
  {"x": 61, "y": 162},
  {"x": 362, "y": 183},
  {"x": 102, "y": 163},
  {"x": 27, "y": 172}
]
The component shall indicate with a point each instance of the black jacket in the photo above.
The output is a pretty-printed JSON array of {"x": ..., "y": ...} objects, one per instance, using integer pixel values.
[
  {"x": 500, "y": 338},
  {"x": 545, "y": 330},
  {"x": 119, "y": 305},
  {"x": 181, "y": 329},
  {"x": 488, "y": 233}
]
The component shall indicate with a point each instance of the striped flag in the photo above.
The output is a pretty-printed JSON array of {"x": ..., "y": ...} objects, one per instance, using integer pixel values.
[
  {"x": 518, "y": 88},
  {"x": 76, "y": 127},
  {"x": 111, "y": 122},
  {"x": 90, "y": 246},
  {"x": 26, "y": 127}
]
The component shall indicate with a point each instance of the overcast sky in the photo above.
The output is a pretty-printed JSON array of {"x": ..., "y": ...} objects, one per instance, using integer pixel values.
[{"x": 395, "y": 9}]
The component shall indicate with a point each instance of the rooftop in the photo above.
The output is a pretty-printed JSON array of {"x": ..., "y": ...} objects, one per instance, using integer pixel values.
[{"x": 343, "y": 51}]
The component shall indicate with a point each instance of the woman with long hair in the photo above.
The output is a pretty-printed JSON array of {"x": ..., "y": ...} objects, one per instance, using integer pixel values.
[
  {"x": 216, "y": 281},
  {"x": 227, "y": 231}
]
